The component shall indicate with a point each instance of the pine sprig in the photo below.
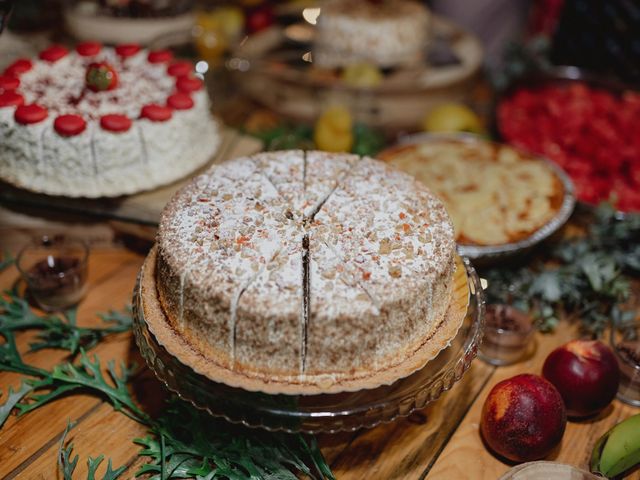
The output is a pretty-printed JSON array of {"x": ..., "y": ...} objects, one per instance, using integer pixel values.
[{"x": 586, "y": 277}]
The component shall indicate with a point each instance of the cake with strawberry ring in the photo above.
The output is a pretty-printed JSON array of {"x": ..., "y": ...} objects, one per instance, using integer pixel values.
[{"x": 101, "y": 121}]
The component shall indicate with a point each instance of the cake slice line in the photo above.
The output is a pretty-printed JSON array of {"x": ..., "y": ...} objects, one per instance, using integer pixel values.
[
  {"x": 306, "y": 260},
  {"x": 306, "y": 301},
  {"x": 315, "y": 209},
  {"x": 233, "y": 311},
  {"x": 374, "y": 302}
]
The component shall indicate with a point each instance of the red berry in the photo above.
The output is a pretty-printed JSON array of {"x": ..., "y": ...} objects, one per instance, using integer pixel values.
[
  {"x": 115, "y": 123},
  {"x": 180, "y": 68},
  {"x": 10, "y": 99},
  {"x": 18, "y": 67},
  {"x": 127, "y": 49},
  {"x": 53, "y": 53},
  {"x": 88, "y": 49},
  {"x": 69, "y": 125},
  {"x": 100, "y": 77},
  {"x": 27, "y": 114},
  {"x": 9, "y": 83},
  {"x": 156, "y": 113},
  {"x": 260, "y": 18},
  {"x": 160, "y": 56},
  {"x": 188, "y": 84},
  {"x": 180, "y": 101}
]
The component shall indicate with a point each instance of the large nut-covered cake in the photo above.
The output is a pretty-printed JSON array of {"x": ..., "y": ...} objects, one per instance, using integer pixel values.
[
  {"x": 300, "y": 266},
  {"x": 386, "y": 33},
  {"x": 101, "y": 121}
]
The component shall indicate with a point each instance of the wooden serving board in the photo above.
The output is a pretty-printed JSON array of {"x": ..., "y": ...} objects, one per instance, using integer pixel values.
[{"x": 142, "y": 208}]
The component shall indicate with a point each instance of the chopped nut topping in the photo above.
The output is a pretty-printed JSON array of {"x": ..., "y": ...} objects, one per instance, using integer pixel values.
[
  {"x": 362, "y": 297},
  {"x": 330, "y": 274},
  {"x": 385, "y": 246},
  {"x": 395, "y": 271}
]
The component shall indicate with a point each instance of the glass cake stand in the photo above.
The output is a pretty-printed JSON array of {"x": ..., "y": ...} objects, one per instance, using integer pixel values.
[{"x": 328, "y": 413}]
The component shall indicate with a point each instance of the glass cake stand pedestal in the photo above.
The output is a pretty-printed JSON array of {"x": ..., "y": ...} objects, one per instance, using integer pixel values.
[{"x": 327, "y": 413}]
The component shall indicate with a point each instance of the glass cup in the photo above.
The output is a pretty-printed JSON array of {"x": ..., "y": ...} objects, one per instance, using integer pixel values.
[
  {"x": 625, "y": 342},
  {"x": 55, "y": 271},
  {"x": 507, "y": 335}
]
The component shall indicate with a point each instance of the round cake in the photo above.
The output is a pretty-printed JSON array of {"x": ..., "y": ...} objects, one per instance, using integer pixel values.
[
  {"x": 101, "y": 121},
  {"x": 386, "y": 33},
  {"x": 305, "y": 268}
]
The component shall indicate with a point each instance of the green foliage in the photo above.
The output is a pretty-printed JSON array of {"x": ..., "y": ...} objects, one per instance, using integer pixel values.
[
  {"x": 6, "y": 261},
  {"x": 366, "y": 140},
  {"x": 88, "y": 375},
  {"x": 183, "y": 442},
  {"x": 67, "y": 463},
  {"x": 58, "y": 331},
  {"x": 188, "y": 443},
  {"x": 586, "y": 276}
]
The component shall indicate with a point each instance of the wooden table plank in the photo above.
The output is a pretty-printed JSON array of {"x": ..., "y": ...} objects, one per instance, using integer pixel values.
[
  {"x": 405, "y": 448},
  {"x": 111, "y": 276},
  {"x": 466, "y": 457},
  {"x": 441, "y": 441}
]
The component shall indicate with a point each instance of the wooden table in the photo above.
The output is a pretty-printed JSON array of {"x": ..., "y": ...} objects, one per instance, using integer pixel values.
[{"x": 439, "y": 442}]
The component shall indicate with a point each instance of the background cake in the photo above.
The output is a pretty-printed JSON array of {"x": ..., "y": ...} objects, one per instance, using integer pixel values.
[
  {"x": 305, "y": 267},
  {"x": 385, "y": 33},
  {"x": 100, "y": 121}
]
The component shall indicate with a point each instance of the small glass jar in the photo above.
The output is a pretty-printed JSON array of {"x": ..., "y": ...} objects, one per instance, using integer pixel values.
[
  {"x": 55, "y": 271},
  {"x": 625, "y": 343},
  {"x": 508, "y": 333}
]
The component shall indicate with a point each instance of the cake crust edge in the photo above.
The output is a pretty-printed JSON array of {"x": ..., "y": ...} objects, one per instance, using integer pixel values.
[{"x": 190, "y": 355}]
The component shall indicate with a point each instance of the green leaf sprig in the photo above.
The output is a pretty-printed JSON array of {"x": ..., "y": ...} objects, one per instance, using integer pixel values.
[
  {"x": 183, "y": 442},
  {"x": 586, "y": 276},
  {"x": 58, "y": 331},
  {"x": 6, "y": 261},
  {"x": 67, "y": 463},
  {"x": 188, "y": 443}
]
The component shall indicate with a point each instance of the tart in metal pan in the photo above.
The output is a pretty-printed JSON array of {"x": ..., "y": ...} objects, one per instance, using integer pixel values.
[{"x": 502, "y": 201}]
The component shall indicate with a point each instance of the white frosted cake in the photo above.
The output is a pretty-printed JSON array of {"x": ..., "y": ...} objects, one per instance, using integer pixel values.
[
  {"x": 101, "y": 121},
  {"x": 386, "y": 33},
  {"x": 296, "y": 266}
]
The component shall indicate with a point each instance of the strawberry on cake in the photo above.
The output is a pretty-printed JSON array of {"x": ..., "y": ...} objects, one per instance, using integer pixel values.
[{"x": 101, "y": 121}]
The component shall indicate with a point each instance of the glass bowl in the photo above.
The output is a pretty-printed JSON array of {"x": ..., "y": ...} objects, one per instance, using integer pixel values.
[
  {"x": 625, "y": 343},
  {"x": 55, "y": 271},
  {"x": 329, "y": 413}
]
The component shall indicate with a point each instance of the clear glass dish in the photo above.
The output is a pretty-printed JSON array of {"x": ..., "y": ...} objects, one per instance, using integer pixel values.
[{"x": 328, "y": 412}]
